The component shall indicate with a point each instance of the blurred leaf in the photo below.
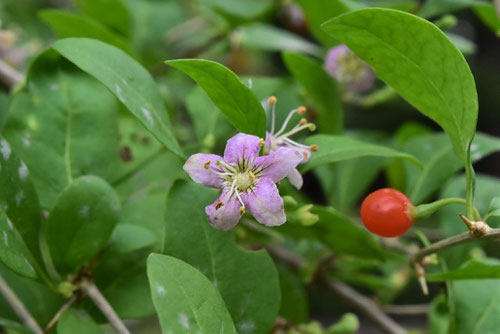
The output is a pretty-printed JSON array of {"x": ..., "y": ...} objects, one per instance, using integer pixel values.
[
  {"x": 338, "y": 148},
  {"x": 439, "y": 316},
  {"x": 128, "y": 238},
  {"x": 238, "y": 103},
  {"x": 112, "y": 13},
  {"x": 73, "y": 321},
  {"x": 66, "y": 24},
  {"x": 254, "y": 301},
  {"x": 294, "y": 303},
  {"x": 197, "y": 304},
  {"x": 4, "y": 108},
  {"x": 16, "y": 327},
  {"x": 488, "y": 14},
  {"x": 242, "y": 9},
  {"x": 466, "y": 46},
  {"x": 445, "y": 92},
  {"x": 20, "y": 214},
  {"x": 404, "y": 5},
  {"x": 125, "y": 78},
  {"x": 341, "y": 235},
  {"x": 322, "y": 89},
  {"x": 440, "y": 164},
  {"x": 432, "y": 8},
  {"x": 475, "y": 269},
  {"x": 81, "y": 222},
  {"x": 319, "y": 11},
  {"x": 58, "y": 131},
  {"x": 475, "y": 306},
  {"x": 347, "y": 324},
  {"x": 494, "y": 208},
  {"x": 266, "y": 37}
]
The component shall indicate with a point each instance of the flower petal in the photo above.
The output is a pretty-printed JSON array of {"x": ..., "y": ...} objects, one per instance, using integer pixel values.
[
  {"x": 331, "y": 59},
  {"x": 196, "y": 167},
  {"x": 241, "y": 146},
  {"x": 224, "y": 213},
  {"x": 295, "y": 178},
  {"x": 265, "y": 203},
  {"x": 279, "y": 163}
]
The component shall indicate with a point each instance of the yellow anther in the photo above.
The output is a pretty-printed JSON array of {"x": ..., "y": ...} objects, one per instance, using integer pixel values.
[
  {"x": 272, "y": 100},
  {"x": 303, "y": 121},
  {"x": 314, "y": 147},
  {"x": 312, "y": 127},
  {"x": 301, "y": 110},
  {"x": 252, "y": 175},
  {"x": 262, "y": 142},
  {"x": 207, "y": 164},
  {"x": 242, "y": 210},
  {"x": 219, "y": 204}
]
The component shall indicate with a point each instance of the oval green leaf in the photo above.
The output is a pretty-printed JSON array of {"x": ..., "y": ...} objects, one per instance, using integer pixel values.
[
  {"x": 125, "y": 78},
  {"x": 229, "y": 94},
  {"x": 339, "y": 148},
  {"x": 81, "y": 222},
  {"x": 185, "y": 300},
  {"x": 488, "y": 268},
  {"x": 419, "y": 62}
]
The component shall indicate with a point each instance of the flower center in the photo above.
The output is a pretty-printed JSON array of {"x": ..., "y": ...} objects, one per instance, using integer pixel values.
[{"x": 243, "y": 181}]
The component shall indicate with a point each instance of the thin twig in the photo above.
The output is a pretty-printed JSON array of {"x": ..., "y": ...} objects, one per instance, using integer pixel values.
[
  {"x": 8, "y": 75},
  {"x": 494, "y": 233},
  {"x": 407, "y": 309},
  {"x": 18, "y": 307},
  {"x": 91, "y": 290},
  {"x": 362, "y": 303},
  {"x": 59, "y": 313}
]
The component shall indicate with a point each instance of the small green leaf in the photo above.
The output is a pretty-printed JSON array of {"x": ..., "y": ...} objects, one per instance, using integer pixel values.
[
  {"x": 185, "y": 300},
  {"x": 254, "y": 300},
  {"x": 432, "y": 8},
  {"x": 475, "y": 269},
  {"x": 81, "y": 222},
  {"x": 229, "y": 94},
  {"x": 66, "y": 24},
  {"x": 125, "y": 78},
  {"x": 339, "y": 148},
  {"x": 73, "y": 321},
  {"x": 294, "y": 303},
  {"x": 322, "y": 89},
  {"x": 494, "y": 208},
  {"x": 443, "y": 91},
  {"x": 20, "y": 214},
  {"x": 242, "y": 9},
  {"x": 266, "y": 37},
  {"x": 100, "y": 10},
  {"x": 341, "y": 235},
  {"x": 439, "y": 316},
  {"x": 475, "y": 306},
  {"x": 488, "y": 14}
]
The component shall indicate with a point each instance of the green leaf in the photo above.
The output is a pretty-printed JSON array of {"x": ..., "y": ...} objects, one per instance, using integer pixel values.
[
  {"x": 120, "y": 20},
  {"x": 81, "y": 222},
  {"x": 66, "y": 24},
  {"x": 266, "y": 37},
  {"x": 440, "y": 164},
  {"x": 322, "y": 89},
  {"x": 439, "y": 316},
  {"x": 185, "y": 300},
  {"x": 319, "y": 11},
  {"x": 73, "y": 321},
  {"x": 58, "y": 131},
  {"x": 488, "y": 268},
  {"x": 432, "y": 8},
  {"x": 125, "y": 78},
  {"x": 494, "y": 208},
  {"x": 247, "y": 281},
  {"x": 443, "y": 91},
  {"x": 294, "y": 304},
  {"x": 20, "y": 214},
  {"x": 488, "y": 14},
  {"x": 228, "y": 93},
  {"x": 243, "y": 9},
  {"x": 341, "y": 235},
  {"x": 339, "y": 148},
  {"x": 476, "y": 306}
]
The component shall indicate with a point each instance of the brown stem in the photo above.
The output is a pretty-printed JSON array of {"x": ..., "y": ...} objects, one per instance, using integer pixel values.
[
  {"x": 407, "y": 309},
  {"x": 91, "y": 290},
  {"x": 493, "y": 233},
  {"x": 359, "y": 301},
  {"x": 59, "y": 313},
  {"x": 8, "y": 75},
  {"x": 19, "y": 308}
]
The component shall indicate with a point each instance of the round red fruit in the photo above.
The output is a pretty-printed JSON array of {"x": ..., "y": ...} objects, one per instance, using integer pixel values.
[{"x": 386, "y": 212}]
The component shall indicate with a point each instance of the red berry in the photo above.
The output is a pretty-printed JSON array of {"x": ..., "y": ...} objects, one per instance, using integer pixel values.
[{"x": 385, "y": 212}]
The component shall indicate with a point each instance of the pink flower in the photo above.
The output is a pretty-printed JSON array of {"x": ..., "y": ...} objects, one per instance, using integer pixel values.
[
  {"x": 348, "y": 69},
  {"x": 247, "y": 181}
]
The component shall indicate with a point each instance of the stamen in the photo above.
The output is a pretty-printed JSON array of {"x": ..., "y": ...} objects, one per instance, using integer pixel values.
[
  {"x": 252, "y": 176},
  {"x": 314, "y": 147},
  {"x": 262, "y": 142},
  {"x": 207, "y": 164},
  {"x": 303, "y": 121},
  {"x": 272, "y": 101},
  {"x": 301, "y": 110},
  {"x": 239, "y": 198},
  {"x": 311, "y": 127},
  {"x": 225, "y": 165},
  {"x": 294, "y": 143},
  {"x": 219, "y": 204},
  {"x": 242, "y": 210},
  {"x": 288, "y": 118}
]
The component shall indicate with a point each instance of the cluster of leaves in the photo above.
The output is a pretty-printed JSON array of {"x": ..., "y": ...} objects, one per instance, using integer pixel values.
[{"x": 92, "y": 147}]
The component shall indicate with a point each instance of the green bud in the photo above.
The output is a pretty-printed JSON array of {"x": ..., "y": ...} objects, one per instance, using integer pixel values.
[
  {"x": 66, "y": 289},
  {"x": 290, "y": 202},
  {"x": 348, "y": 324},
  {"x": 305, "y": 217},
  {"x": 208, "y": 143}
]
